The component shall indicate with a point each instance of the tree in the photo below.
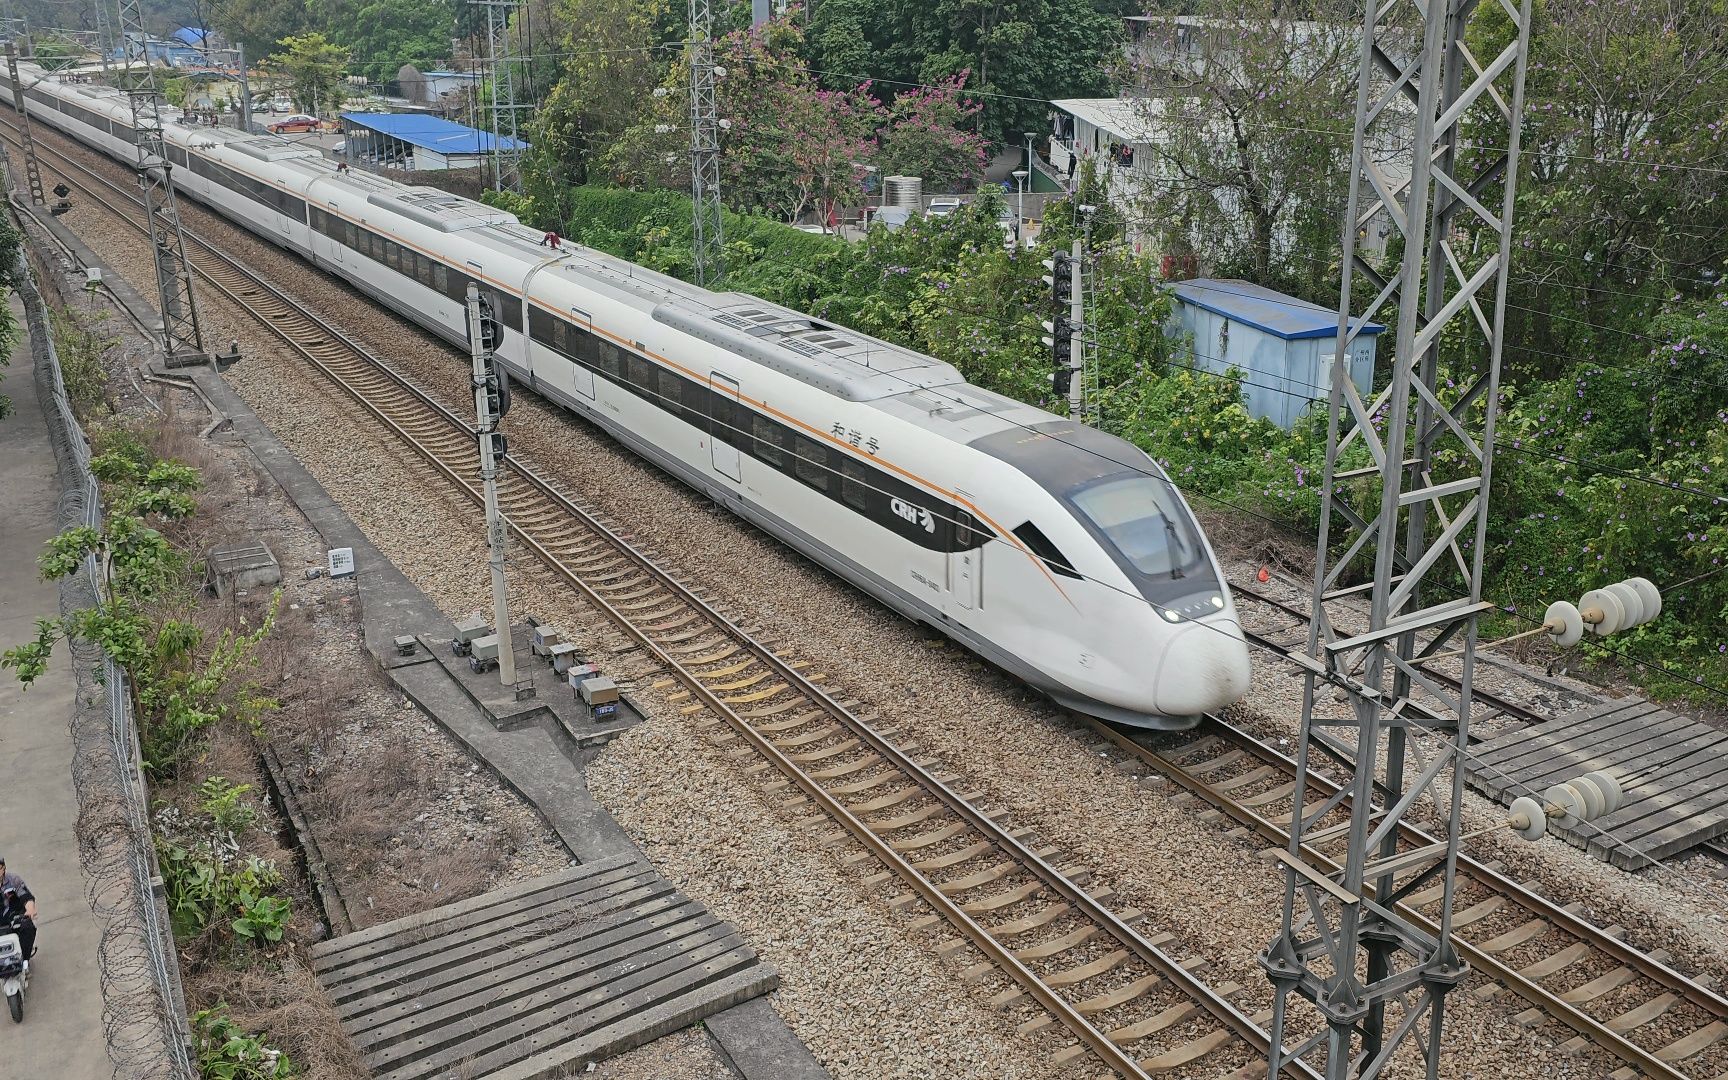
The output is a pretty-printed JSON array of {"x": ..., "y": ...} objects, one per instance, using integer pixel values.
[
  {"x": 926, "y": 133},
  {"x": 1620, "y": 206},
  {"x": 382, "y": 35},
  {"x": 1247, "y": 132},
  {"x": 314, "y": 66},
  {"x": 260, "y": 24},
  {"x": 1019, "y": 52},
  {"x": 609, "y": 73}
]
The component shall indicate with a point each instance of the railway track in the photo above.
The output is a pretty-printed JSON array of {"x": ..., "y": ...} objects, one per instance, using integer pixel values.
[
  {"x": 1123, "y": 994},
  {"x": 1500, "y": 705},
  {"x": 1614, "y": 996}
]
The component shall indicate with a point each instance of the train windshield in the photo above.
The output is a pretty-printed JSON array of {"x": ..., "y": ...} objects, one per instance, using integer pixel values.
[{"x": 1144, "y": 519}]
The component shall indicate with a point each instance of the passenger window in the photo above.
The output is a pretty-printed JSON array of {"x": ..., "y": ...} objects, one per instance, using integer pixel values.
[
  {"x": 668, "y": 391},
  {"x": 767, "y": 440},
  {"x": 1039, "y": 544},
  {"x": 606, "y": 355},
  {"x": 441, "y": 277},
  {"x": 393, "y": 255},
  {"x": 812, "y": 463},
  {"x": 854, "y": 482}
]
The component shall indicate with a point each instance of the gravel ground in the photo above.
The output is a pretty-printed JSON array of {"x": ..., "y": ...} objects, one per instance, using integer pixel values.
[{"x": 795, "y": 902}]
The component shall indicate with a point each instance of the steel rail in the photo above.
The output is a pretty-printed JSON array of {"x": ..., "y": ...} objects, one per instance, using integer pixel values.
[
  {"x": 1536, "y": 904},
  {"x": 1236, "y": 1021}
]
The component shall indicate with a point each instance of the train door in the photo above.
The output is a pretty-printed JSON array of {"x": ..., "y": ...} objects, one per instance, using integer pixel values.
[
  {"x": 725, "y": 416},
  {"x": 583, "y": 377},
  {"x": 963, "y": 565}
]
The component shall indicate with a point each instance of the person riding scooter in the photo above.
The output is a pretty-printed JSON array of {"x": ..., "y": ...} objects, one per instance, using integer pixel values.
[{"x": 18, "y": 902}]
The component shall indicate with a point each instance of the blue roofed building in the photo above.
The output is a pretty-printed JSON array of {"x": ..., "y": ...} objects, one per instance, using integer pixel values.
[
  {"x": 417, "y": 141},
  {"x": 1283, "y": 346}
]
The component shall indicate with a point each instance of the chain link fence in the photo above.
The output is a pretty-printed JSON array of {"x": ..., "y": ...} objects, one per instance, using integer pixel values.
[{"x": 143, "y": 1008}]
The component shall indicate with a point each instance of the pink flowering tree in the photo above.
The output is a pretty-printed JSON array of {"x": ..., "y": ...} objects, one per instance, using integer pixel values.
[{"x": 930, "y": 132}]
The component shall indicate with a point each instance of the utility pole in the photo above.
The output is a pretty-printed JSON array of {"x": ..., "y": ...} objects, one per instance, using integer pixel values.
[
  {"x": 245, "y": 93},
  {"x": 491, "y": 402},
  {"x": 506, "y": 146},
  {"x": 32, "y": 174},
  {"x": 1417, "y": 519},
  {"x": 104, "y": 35},
  {"x": 182, "y": 339},
  {"x": 708, "y": 244}
]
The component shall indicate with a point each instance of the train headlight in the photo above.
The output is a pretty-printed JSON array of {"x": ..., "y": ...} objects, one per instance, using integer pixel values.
[
  {"x": 1217, "y": 602},
  {"x": 1172, "y": 616}
]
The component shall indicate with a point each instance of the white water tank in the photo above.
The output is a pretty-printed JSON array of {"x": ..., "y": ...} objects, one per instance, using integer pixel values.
[{"x": 903, "y": 191}]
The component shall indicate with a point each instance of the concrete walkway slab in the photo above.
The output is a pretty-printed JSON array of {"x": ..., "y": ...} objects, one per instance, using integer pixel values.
[{"x": 61, "y": 1032}]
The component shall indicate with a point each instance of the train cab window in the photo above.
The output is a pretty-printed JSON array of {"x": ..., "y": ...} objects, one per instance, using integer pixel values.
[
  {"x": 967, "y": 534},
  {"x": 811, "y": 463},
  {"x": 1039, "y": 544},
  {"x": 766, "y": 441},
  {"x": 854, "y": 482},
  {"x": 1142, "y": 517}
]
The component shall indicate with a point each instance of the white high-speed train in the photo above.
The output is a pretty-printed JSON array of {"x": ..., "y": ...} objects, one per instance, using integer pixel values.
[{"x": 1059, "y": 553}]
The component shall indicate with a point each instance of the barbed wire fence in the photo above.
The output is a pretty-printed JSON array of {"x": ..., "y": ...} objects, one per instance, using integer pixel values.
[{"x": 143, "y": 1005}]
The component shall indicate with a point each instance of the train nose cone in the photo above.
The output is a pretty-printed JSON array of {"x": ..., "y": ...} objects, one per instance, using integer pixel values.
[{"x": 1205, "y": 668}]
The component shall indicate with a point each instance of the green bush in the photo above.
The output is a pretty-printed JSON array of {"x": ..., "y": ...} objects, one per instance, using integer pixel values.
[{"x": 225, "y": 1052}]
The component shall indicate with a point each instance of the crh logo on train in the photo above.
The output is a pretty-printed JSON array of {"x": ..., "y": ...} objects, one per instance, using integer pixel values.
[{"x": 917, "y": 515}]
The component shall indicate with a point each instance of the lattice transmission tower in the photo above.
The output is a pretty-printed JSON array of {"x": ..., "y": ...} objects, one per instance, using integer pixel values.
[
  {"x": 708, "y": 243},
  {"x": 506, "y": 110},
  {"x": 32, "y": 173},
  {"x": 1411, "y": 541},
  {"x": 182, "y": 338}
]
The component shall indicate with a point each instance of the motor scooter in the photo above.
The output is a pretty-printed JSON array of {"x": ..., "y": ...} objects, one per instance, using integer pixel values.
[{"x": 14, "y": 968}]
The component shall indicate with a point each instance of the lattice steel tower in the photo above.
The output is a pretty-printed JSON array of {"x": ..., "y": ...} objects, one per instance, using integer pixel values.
[
  {"x": 32, "y": 174},
  {"x": 708, "y": 244},
  {"x": 506, "y": 111},
  {"x": 1378, "y": 972},
  {"x": 182, "y": 339}
]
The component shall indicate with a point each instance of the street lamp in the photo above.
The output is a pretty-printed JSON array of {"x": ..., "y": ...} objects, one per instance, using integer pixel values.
[{"x": 1020, "y": 176}]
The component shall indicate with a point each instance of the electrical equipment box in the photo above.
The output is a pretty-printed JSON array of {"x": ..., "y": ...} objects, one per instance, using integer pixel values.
[
  {"x": 578, "y": 673},
  {"x": 483, "y": 653},
  {"x": 562, "y": 655},
  {"x": 466, "y": 631},
  {"x": 601, "y": 695},
  {"x": 405, "y": 645},
  {"x": 544, "y": 638}
]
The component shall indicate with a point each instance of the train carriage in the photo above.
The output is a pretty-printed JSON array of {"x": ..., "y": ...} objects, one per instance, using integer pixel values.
[{"x": 1061, "y": 554}]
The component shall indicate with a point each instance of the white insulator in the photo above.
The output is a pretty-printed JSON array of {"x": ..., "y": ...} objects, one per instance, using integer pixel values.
[
  {"x": 1650, "y": 594},
  {"x": 1528, "y": 818},
  {"x": 1563, "y": 623},
  {"x": 1565, "y": 806},
  {"x": 1631, "y": 603},
  {"x": 1613, "y": 794},
  {"x": 1602, "y": 610},
  {"x": 1595, "y": 802}
]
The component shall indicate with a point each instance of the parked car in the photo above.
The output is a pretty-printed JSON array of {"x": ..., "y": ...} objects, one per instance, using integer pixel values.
[
  {"x": 297, "y": 122},
  {"x": 942, "y": 206}
]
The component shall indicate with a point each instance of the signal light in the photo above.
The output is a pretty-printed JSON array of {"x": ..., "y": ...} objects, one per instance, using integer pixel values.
[
  {"x": 1060, "y": 279},
  {"x": 1059, "y": 340}
]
